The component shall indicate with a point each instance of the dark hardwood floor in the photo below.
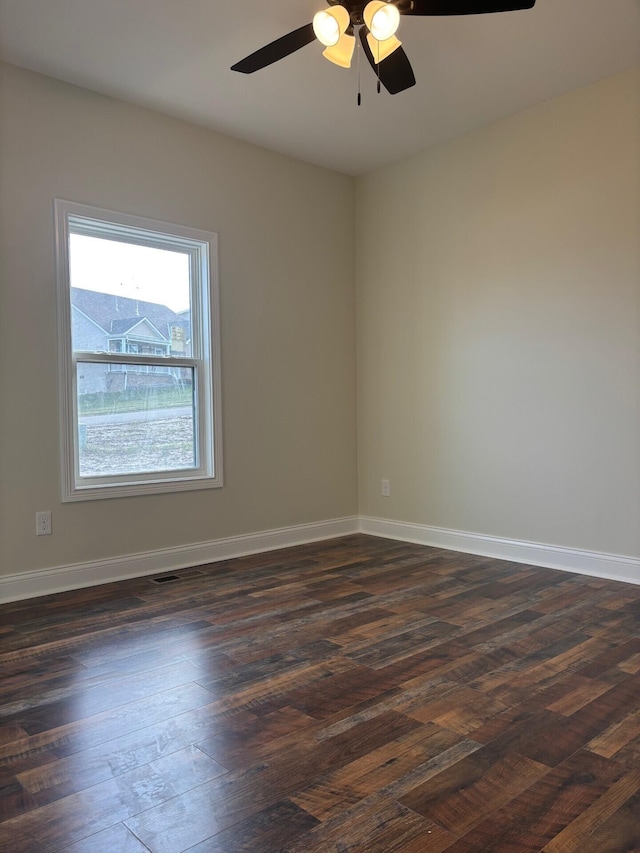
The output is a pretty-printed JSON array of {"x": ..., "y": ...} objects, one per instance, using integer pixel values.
[{"x": 352, "y": 696}]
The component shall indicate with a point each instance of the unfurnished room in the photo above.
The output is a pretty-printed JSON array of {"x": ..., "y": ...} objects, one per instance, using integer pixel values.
[{"x": 320, "y": 426}]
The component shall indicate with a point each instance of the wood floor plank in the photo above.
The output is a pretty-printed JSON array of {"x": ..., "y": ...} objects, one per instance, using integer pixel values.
[
  {"x": 259, "y": 737},
  {"x": 577, "y": 691},
  {"x": 75, "y": 737},
  {"x": 462, "y": 796},
  {"x": 14, "y": 799},
  {"x": 616, "y": 656},
  {"x": 620, "y": 832},
  {"x": 357, "y": 695},
  {"x": 631, "y": 664},
  {"x": 617, "y": 736},
  {"x": 327, "y": 796},
  {"x": 358, "y": 822},
  {"x": 390, "y": 829},
  {"x": 115, "y": 839},
  {"x": 10, "y": 732},
  {"x": 464, "y": 713},
  {"x": 545, "y": 809},
  {"x": 556, "y": 741},
  {"x": 99, "y": 807},
  {"x": 107, "y": 760},
  {"x": 269, "y": 830},
  {"x": 581, "y": 831}
]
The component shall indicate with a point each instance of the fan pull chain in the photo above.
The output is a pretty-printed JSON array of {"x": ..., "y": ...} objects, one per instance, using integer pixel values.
[
  {"x": 358, "y": 66},
  {"x": 378, "y": 69}
]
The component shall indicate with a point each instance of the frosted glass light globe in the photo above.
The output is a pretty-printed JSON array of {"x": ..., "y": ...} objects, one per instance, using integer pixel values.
[
  {"x": 326, "y": 28},
  {"x": 382, "y": 19}
]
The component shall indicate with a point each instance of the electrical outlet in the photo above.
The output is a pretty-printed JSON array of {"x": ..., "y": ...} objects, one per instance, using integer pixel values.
[
  {"x": 43, "y": 523},
  {"x": 386, "y": 488}
]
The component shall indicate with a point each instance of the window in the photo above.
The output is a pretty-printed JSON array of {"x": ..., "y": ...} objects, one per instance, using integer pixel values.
[{"x": 139, "y": 355}]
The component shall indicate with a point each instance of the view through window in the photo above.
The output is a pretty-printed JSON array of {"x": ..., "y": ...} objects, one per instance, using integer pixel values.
[
  {"x": 133, "y": 417},
  {"x": 138, "y": 372}
]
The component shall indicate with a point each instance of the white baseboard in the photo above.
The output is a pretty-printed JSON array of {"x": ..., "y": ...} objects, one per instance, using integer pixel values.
[
  {"x": 62, "y": 578},
  {"x": 610, "y": 566}
]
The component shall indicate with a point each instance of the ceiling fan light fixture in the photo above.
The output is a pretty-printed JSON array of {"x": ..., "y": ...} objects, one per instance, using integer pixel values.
[
  {"x": 374, "y": 23},
  {"x": 329, "y": 25},
  {"x": 382, "y": 20},
  {"x": 341, "y": 53}
]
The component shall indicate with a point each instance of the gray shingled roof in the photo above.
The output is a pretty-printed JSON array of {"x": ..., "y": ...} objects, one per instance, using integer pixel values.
[{"x": 117, "y": 314}]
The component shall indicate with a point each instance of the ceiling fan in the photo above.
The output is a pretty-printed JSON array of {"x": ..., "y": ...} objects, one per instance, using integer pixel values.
[{"x": 376, "y": 23}]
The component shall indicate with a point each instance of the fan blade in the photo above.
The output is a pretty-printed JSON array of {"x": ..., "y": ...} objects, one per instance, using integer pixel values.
[
  {"x": 276, "y": 50},
  {"x": 396, "y": 73},
  {"x": 467, "y": 7}
]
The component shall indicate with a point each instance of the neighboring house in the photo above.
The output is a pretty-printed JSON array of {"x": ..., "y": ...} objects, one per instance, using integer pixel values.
[{"x": 102, "y": 322}]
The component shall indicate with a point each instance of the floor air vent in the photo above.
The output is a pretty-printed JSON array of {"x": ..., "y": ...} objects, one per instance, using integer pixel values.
[{"x": 166, "y": 579}]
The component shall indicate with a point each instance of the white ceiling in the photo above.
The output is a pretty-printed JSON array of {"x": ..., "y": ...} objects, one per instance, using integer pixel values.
[{"x": 174, "y": 56}]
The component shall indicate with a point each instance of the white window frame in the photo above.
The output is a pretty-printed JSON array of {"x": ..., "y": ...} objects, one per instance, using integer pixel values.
[{"x": 71, "y": 217}]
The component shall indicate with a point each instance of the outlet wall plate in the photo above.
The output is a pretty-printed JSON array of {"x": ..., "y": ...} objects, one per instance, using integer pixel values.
[{"x": 43, "y": 523}]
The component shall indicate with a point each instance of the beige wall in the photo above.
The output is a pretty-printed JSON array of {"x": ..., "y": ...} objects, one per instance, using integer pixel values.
[
  {"x": 287, "y": 309},
  {"x": 499, "y": 327},
  {"x": 498, "y": 324}
]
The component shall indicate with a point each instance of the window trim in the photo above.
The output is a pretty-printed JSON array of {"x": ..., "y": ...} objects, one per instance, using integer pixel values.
[{"x": 205, "y": 355}]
